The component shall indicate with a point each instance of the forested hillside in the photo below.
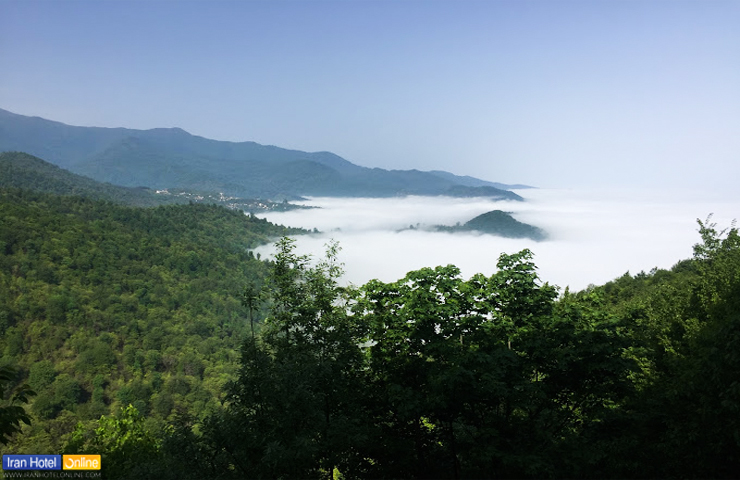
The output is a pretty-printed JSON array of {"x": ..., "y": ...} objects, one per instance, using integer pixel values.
[
  {"x": 145, "y": 316},
  {"x": 434, "y": 376},
  {"x": 21, "y": 170},
  {"x": 103, "y": 306}
]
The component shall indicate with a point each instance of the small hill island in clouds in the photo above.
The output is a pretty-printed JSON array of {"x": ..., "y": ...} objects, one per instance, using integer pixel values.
[
  {"x": 499, "y": 223},
  {"x": 172, "y": 158}
]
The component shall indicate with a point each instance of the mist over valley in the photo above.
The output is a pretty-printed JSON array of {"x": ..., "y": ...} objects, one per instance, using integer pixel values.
[
  {"x": 588, "y": 235},
  {"x": 594, "y": 235}
]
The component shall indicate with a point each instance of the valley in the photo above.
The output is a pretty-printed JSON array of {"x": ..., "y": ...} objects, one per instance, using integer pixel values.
[{"x": 197, "y": 321}]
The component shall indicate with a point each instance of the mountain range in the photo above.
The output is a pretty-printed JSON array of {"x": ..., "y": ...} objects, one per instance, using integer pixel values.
[
  {"x": 19, "y": 170},
  {"x": 173, "y": 158}
]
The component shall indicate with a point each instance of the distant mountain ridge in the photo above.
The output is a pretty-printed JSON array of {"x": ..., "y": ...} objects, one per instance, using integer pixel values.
[
  {"x": 468, "y": 181},
  {"x": 24, "y": 171},
  {"x": 173, "y": 158},
  {"x": 19, "y": 170}
]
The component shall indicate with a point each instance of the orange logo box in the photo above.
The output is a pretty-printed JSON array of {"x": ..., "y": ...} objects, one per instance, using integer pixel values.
[{"x": 81, "y": 462}]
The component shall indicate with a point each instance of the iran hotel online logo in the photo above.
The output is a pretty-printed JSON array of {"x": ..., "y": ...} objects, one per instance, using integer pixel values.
[{"x": 51, "y": 462}]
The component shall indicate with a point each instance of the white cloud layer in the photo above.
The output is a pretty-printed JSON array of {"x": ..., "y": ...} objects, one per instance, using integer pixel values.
[{"x": 595, "y": 236}]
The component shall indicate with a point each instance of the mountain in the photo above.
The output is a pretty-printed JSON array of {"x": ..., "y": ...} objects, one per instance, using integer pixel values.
[
  {"x": 24, "y": 171},
  {"x": 482, "y": 191},
  {"x": 498, "y": 223},
  {"x": 469, "y": 181},
  {"x": 172, "y": 158}
]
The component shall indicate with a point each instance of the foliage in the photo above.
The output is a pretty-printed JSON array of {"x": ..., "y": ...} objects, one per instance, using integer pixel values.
[
  {"x": 481, "y": 378},
  {"x": 427, "y": 377},
  {"x": 292, "y": 413},
  {"x": 684, "y": 329},
  {"x": 493, "y": 377},
  {"x": 128, "y": 448},
  {"x": 141, "y": 312},
  {"x": 103, "y": 305},
  {"x": 12, "y": 413}
]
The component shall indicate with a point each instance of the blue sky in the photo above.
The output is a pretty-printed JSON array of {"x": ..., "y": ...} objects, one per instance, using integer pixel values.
[{"x": 548, "y": 93}]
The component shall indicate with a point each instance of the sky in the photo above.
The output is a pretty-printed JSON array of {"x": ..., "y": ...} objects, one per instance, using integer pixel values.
[{"x": 555, "y": 94}]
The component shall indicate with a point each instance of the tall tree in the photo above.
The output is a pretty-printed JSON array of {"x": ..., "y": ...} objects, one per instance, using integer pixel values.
[{"x": 292, "y": 410}]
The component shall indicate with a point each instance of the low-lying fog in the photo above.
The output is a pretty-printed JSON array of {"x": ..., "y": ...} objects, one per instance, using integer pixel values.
[{"x": 594, "y": 236}]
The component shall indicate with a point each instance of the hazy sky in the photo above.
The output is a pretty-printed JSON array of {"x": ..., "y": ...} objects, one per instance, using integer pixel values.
[{"x": 548, "y": 93}]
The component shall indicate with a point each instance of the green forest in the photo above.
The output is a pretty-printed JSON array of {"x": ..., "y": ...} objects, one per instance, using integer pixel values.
[
  {"x": 156, "y": 338},
  {"x": 104, "y": 305}
]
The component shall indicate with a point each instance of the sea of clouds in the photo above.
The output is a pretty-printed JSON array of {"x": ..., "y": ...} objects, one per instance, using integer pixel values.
[{"x": 594, "y": 235}]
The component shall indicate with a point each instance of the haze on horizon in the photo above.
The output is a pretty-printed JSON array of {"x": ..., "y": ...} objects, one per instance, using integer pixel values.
[{"x": 546, "y": 93}]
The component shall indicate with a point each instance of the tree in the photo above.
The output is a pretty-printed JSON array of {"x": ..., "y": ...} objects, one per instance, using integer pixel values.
[
  {"x": 706, "y": 439},
  {"x": 12, "y": 413},
  {"x": 684, "y": 331},
  {"x": 129, "y": 449},
  {"x": 432, "y": 376},
  {"x": 251, "y": 300},
  {"x": 291, "y": 411},
  {"x": 485, "y": 378}
]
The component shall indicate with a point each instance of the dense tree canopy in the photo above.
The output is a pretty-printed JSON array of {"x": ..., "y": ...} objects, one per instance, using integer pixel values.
[
  {"x": 428, "y": 377},
  {"x": 155, "y": 338},
  {"x": 434, "y": 376},
  {"x": 102, "y": 306}
]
